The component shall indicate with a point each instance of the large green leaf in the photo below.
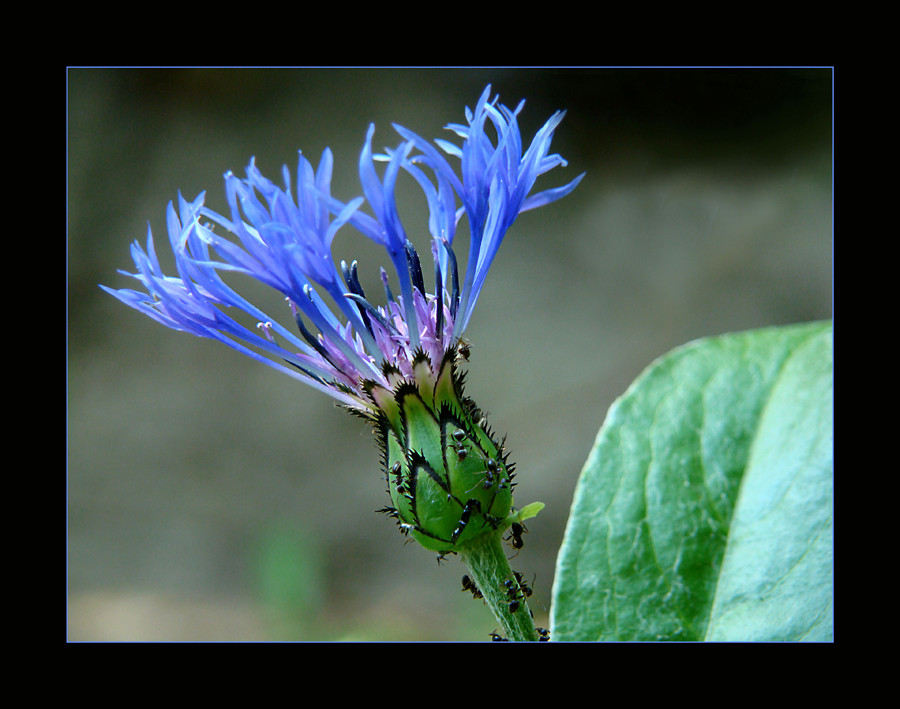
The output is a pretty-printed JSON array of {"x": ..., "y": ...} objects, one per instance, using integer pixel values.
[{"x": 704, "y": 511}]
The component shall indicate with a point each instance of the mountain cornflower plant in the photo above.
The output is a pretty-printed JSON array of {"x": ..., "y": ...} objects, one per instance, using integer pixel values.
[{"x": 395, "y": 359}]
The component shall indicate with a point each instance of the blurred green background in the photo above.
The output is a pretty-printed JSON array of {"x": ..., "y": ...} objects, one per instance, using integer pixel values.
[{"x": 210, "y": 498}]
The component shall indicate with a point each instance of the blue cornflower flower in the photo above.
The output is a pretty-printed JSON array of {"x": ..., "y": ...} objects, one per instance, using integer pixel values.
[
  {"x": 282, "y": 236},
  {"x": 394, "y": 363},
  {"x": 495, "y": 182}
]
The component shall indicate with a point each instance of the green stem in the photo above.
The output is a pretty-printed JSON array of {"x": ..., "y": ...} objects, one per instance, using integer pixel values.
[{"x": 490, "y": 570}]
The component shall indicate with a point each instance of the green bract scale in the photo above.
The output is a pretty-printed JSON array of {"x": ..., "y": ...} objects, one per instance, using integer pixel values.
[{"x": 448, "y": 478}]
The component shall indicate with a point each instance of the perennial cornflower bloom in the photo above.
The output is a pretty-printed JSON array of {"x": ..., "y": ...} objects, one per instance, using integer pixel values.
[{"x": 393, "y": 361}]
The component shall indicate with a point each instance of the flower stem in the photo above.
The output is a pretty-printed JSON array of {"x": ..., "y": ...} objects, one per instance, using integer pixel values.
[{"x": 490, "y": 570}]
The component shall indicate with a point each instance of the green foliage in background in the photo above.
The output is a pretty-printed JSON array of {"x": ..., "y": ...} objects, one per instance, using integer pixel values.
[
  {"x": 289, "y": 575},
  {"x": 704, "y": 511}
]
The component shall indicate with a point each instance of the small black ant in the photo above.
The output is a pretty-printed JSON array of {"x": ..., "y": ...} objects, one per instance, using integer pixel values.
[
  {"x": 469, "y": 585},
  {"x": 464, "y": 348},
  {"x": 491, "y": 468},
  {"x": 461, "y": 451},
  {"x": 544, "y": 634},
  {"x": 512, "y": 593},
  {"x": 516, "y": 531},
  {"x": 397, "y": 472},
  {"x": 526, "y": 589},
  {"x": 497, "y": 638},
  {"x": 464, "y": 519}
]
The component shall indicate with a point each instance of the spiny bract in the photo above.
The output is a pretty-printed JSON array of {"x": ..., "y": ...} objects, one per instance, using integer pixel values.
[{"x": 448, "y": 477}]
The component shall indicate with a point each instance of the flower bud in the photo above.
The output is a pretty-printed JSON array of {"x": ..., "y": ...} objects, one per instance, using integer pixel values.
[{"x": 448, "y": 478}]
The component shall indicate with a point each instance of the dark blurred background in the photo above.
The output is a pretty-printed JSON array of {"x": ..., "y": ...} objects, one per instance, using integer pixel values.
[{"x": 211, "y": 498}]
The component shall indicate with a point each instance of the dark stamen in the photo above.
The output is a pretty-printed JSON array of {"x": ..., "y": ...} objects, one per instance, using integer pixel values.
[
  {"x": 351, "y": 278},
  {"x": 307, "y": 372},
  {"x": 310, "y": 338},
  {"x": 368, "y": 310},
  {"x": 415, "y": 268}
]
